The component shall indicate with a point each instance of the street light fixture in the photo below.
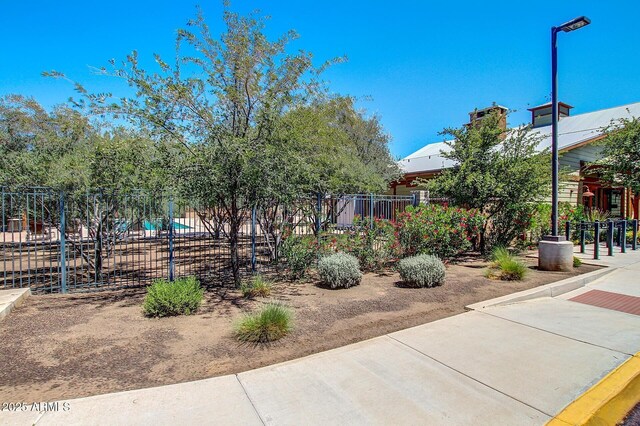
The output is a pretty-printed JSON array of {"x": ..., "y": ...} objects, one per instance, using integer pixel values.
[
  {"x": 572, "y": 25},
  {"x": 575, "y": 24}
]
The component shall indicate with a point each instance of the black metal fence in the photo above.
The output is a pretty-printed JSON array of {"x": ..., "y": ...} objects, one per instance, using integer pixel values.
[
  {"x": 57, "y": 242},
  {"x": 615, "y": 233}
]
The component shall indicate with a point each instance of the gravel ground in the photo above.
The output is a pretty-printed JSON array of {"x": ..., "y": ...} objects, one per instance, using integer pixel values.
[{"x": 67, "y": 346}]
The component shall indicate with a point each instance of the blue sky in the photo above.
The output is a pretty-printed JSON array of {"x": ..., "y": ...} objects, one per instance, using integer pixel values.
[{"x": 421, "y": 65}]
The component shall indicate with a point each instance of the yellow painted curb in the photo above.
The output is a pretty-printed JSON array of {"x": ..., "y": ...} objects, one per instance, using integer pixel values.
[{"x": 608, "y": 401}]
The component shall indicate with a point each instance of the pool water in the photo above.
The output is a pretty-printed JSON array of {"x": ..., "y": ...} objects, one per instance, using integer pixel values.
[{"x": 154, "y": 226}]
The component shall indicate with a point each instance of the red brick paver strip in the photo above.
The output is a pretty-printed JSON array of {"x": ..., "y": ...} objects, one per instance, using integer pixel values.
[{"x": 608, "y": 300}]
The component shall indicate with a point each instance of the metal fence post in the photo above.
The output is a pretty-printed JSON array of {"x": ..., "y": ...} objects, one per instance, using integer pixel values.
[
  {"x": 318, "y": 214},
  {"x": 610, "y": 237},
  {"x": 582, "y": 236},
  {"x": 634, "y": 233},
  {"x": 63, "y": 245},
  {"x": 623, "y": 237},
  {"x": 567, "y": 230},
  {"x": 318, "y": 223},
  {"x": 253, "y": 239},
  {"x": 371, "y": 198},
  {"x": 596, "y": 239},
  {"x": 171, "y": 237}
]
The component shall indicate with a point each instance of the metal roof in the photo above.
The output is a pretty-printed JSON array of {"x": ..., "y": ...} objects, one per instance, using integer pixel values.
[{"x": 573, "y": 130}]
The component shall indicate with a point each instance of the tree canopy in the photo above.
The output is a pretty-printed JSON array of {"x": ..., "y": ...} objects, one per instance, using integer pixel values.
[
  {"x": 246, "y": 122},
  {"x": 498, "y": 172},
  {"x": 63, "y": 149},
  {"x": 621, "y": 155}
]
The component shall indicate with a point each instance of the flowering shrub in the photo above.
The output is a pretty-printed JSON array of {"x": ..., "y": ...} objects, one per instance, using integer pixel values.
[
  {"x": 537, "y": 223},
  {"x": 372, "y": 243},
  {"x": 299, "y": 252},
  {"x": 438, "y": 230}
]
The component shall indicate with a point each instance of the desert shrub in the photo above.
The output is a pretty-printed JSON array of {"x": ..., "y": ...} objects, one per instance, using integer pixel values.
[
  {"x": 271, "y": 322},
  {"x": 299, "y": 252},
  {"x": 525, "y": 224},
  {"x": 438, "y": 230},
  {"x": 339, "y": 270},
  {"x": 576, "y": 262},
  {"x": 181, "y": 297},
  {"x": 373, "y": 243},
  {"x": 509, "y": 225},
  {"x": 422, "y": 271},
  {"x": 505, "y": 266},
  {"x": 257, "y": 286}
]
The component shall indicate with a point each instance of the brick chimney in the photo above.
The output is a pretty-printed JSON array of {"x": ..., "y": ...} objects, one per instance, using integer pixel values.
[
  {"x": 476, "y": 117},
  {"x": 541, "y": 115}
]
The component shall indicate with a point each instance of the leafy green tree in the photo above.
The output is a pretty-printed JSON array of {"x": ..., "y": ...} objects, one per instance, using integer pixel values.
[
  {"x": 33, "y": 141},
  {"x": 249, "y": 124},
  {"x": 499, "y": 173},
  {"x": 63, "y": 150},
  {"x": 95, "y": 168},
  {"x": 621, "y": 156}
]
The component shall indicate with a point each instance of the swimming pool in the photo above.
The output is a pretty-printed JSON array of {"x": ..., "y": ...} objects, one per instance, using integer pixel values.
[{"x": 156, "y": 225}]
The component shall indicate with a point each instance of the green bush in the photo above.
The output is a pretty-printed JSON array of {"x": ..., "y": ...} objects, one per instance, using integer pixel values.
[
  {"x": 505, "y": 266},
  {"x": 299, "y": 252},
  {"x": 422, "y": 271},
  {"x": 270, "y": 323},
  {"x": 339, "y": 270},
  {"x": 576, "y": 262},
  {"x": 181, "y": 297},
  {"x": 258, "y": 286},
  {"x": 538, "y": 222},
  {"x": 373, "y": 243},
  {"x": 438, "y": 230}
]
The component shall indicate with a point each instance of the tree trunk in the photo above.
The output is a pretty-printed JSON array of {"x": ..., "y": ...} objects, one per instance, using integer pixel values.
[{"x": 483, "y": 241}]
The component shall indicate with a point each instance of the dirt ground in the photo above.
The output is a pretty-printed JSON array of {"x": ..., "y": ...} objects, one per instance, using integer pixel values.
[{"x": 68, "y": 346}]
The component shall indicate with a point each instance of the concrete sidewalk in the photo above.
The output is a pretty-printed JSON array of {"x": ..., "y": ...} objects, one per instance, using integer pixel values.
[
  {"x": 11, "y": 299},
  {"x": 513, "y": 364}
]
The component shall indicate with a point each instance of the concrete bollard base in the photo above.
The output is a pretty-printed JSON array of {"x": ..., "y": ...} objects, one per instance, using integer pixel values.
[{"x": 555, "y": 255}]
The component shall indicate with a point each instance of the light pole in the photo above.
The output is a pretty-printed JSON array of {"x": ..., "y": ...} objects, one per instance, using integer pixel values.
[
  {"x": 572, "y": 25},
  {"x": 554, "y": 252}
]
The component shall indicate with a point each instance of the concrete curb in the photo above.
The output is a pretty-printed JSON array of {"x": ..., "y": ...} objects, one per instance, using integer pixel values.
[
  {"x": 11, "y": 299},
  {"x": 549, "y": 290},
  {"x": 608, "y": 401}
]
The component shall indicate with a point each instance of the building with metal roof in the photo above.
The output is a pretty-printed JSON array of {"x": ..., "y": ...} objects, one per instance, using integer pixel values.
[{"x": 577, "y": 135}]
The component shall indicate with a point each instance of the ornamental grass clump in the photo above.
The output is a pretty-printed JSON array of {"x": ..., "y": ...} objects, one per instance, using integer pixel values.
[
  {"x": 181, "y": 297},
  {"x": 258, "y": 286},
  {"x": 339, "y": 270},
  {"x": 505, "y": 266},
  {"x": 424, "y": 270},
  {"x": 270, "y": 323}
]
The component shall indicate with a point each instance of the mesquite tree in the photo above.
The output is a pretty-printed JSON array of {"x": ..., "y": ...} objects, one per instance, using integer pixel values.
[
  {"x": 247, "y": 124},
  {"x": 218, "y": 105}
]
